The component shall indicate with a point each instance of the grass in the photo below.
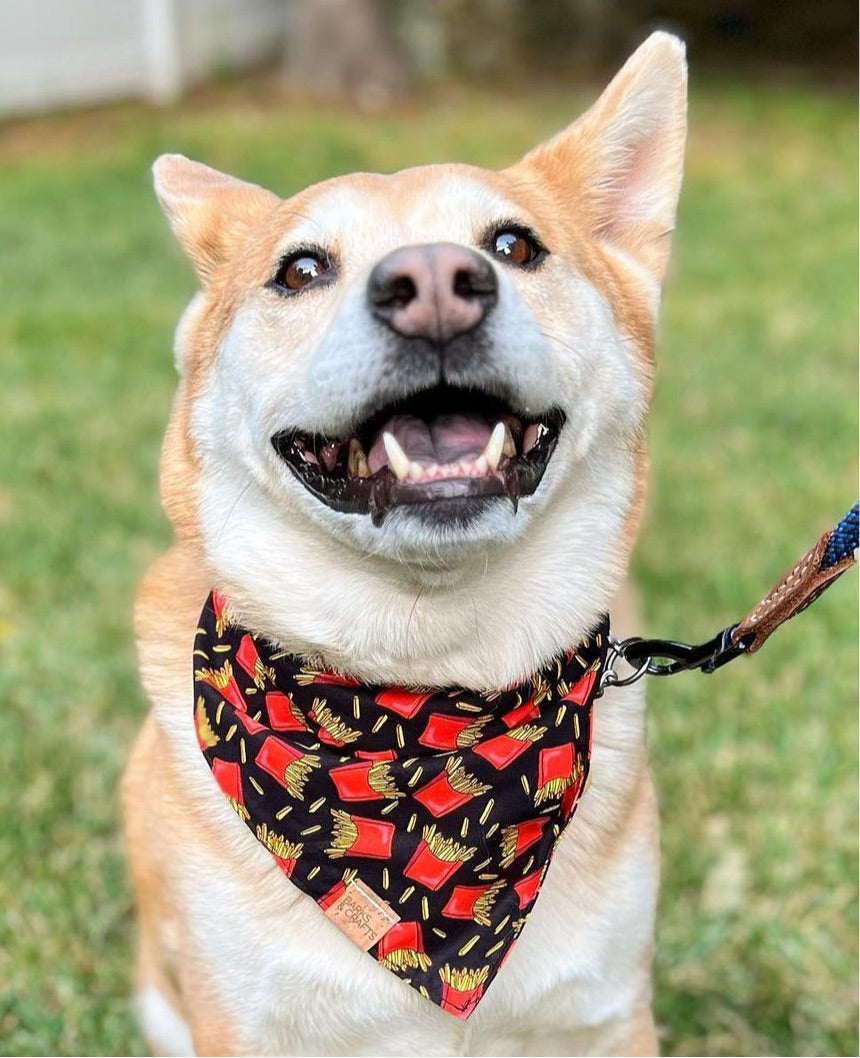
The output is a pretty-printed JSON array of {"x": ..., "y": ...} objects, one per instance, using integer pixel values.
[{"x": 753, "y": 442}]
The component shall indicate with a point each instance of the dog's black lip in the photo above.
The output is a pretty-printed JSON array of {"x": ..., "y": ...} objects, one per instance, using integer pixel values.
[{"x": 517, "y": 476}]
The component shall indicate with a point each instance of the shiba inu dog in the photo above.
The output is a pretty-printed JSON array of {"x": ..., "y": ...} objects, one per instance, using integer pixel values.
[{"x": 407, "y": 452}]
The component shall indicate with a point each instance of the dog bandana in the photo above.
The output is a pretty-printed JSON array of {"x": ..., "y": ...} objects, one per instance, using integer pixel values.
[{"x": 421, "y": 822}]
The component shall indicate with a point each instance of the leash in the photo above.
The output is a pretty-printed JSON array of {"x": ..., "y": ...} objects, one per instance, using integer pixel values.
[{"x": 822, "y": 564}]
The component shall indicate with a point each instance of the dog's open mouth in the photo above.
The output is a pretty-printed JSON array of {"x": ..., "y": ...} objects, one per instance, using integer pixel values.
[{"x": 442, "y": 444}]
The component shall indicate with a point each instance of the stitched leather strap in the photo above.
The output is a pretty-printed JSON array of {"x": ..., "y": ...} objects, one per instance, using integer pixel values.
[{"x": 802, "y": 584}]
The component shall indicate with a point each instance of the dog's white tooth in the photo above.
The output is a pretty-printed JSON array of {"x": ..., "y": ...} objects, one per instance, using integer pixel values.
[
  {"x": 416, "y": 472},
  {"x": 509, "y": 448},
  {"x": 495, "y": 446},
  {"x": 398, "y": 460},
  {"x": 481, "y": 465}
]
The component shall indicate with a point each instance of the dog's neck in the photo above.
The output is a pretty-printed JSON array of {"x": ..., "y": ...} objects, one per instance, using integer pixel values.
[{"x": 486, "y": 621}]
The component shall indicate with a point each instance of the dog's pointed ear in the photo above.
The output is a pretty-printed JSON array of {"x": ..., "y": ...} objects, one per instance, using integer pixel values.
[
  {"x": 621, "y": 163},
  {"x": 208, "y": 211}
]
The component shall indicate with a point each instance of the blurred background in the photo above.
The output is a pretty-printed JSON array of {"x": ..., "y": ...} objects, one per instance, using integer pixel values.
[
  {"x": 370, "y": 52},
  {"x": 753, "y": 441}
]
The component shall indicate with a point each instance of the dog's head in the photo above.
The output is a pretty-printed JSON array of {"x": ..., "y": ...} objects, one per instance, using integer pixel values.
[{"x": 409, "y": 432}]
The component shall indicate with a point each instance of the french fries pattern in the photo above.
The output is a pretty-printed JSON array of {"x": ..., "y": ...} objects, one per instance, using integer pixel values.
[{"x": 446, "y": 804}]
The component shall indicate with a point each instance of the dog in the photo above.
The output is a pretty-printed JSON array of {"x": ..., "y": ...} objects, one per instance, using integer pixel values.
[{"x": 407, "y": 451}]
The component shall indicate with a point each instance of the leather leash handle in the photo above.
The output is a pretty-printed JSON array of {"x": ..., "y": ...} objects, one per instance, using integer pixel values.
[{"x": 835, "y": 552}]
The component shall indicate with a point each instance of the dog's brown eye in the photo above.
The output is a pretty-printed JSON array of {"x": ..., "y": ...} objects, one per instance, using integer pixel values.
[
  {"x": 516, "y": 247},
  {"x": 301, "y": 269}
]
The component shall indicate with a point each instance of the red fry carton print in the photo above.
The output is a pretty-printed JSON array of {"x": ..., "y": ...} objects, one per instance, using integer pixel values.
[
  {"x": 364, "y": 781},
  {"x": 527, "y": 888},
  {"x": 462, "y": 989},
  {"x": 436, "y": 859},
  {"x": 473, "y": 901},
  {"x": 228, "y": 775},
  {"x": 572, "y": 795},
  {"x": 286, "y": 853},
  {"x": 503, "y": 750},
  {"x": 558, "y": 768},
  {"x": 331, "y": 729},
  {"x": 522, "y": 714},
  {"x": 376, "y": 754},
  {"x": 250, "y": 661},
  {"x": 519, "y": 837},
  {"x": 580, "y": 692},
  {"x": 222, "y": 617},
  {"x": 402, "y": 948},
  {"x": 251, "y": 725},
  {"x": 324, "y": 677},
  {"x": 287, "y": 765},
  {"x": 450, "y": 789},
  {"x": 337, "y": 890},
  {"x": 224, "y": 682},
  {"x": 451, "y": 732},
  {"x": 283, "y": 713},
  {"x": 404, "y": 703},
  {"x": 358, "y": 836}
]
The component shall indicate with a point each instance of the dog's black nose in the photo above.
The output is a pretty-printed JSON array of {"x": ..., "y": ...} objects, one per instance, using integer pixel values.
[{"x": 436, "y": 291}]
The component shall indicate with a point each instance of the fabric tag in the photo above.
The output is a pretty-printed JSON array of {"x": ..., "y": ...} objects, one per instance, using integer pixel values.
[{"x": 362, "y": 915}]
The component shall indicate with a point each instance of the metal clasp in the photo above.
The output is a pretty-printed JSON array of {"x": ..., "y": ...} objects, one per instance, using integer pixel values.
[{"x": 665, "y": 657}]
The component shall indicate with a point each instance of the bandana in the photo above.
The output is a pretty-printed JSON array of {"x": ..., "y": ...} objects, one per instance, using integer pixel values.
[{"x": 421, "y": 822}]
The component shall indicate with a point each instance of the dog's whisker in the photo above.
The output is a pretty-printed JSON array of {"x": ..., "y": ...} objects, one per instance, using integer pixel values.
[{"x": 232, "y": 510}]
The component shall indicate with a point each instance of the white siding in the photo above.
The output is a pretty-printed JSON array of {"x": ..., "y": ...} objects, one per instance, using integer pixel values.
[{"x": 56, "y": 53}]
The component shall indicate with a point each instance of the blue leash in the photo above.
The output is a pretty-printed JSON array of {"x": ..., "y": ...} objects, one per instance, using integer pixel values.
[{"x": 843, "y": 540}]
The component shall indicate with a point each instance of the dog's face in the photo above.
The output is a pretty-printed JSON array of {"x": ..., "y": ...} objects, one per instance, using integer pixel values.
[{"x": 433, "y": 382}]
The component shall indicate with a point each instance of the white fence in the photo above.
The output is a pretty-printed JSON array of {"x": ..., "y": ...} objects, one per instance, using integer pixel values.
[{"x": 59, "y": 53}]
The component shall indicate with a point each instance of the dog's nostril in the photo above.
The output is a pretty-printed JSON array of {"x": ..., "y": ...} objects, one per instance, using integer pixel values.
[
  {"x": 390, "y": 290},
  {"x": 400, "y": 290},
  {"x": 468, "y": 284},
  {"x": 463, "y": 286}
]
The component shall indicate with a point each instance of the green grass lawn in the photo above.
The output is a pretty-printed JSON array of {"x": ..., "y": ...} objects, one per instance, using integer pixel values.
[{"x": 753, "y": 442}]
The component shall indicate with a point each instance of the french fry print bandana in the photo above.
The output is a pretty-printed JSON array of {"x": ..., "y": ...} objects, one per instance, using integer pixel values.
[{"x": 433, "y": 813}]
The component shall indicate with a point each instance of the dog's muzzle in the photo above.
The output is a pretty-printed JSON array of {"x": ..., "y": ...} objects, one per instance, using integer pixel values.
[{"x": 451, "y": 441}]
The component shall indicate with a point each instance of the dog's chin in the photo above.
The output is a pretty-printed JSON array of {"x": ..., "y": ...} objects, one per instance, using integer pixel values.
[
  {"x": 442, "y": 533},
  {"x": 435, "y": 535}
]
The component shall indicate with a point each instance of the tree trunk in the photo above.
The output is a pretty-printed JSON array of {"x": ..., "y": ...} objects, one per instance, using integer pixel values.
[{"x": 342, "y": 50}]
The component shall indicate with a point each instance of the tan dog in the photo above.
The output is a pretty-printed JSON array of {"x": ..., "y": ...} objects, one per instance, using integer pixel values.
[{"x": 529, "y": 296}]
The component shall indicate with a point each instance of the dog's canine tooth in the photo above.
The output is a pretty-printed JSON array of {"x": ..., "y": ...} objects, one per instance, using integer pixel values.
[
  {"x": 495, "y": 446},
  {"x": 509, "y": 448},
  {"x": 398, "y": 460}
]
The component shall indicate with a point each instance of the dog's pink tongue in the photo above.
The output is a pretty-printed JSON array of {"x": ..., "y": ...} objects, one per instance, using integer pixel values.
[{"x": 444, "y": 440}]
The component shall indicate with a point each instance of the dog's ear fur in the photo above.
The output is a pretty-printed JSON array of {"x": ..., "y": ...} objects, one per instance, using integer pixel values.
[
  {"x": 622, "y": 161},
  {"x": 208, "y": 211}
]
